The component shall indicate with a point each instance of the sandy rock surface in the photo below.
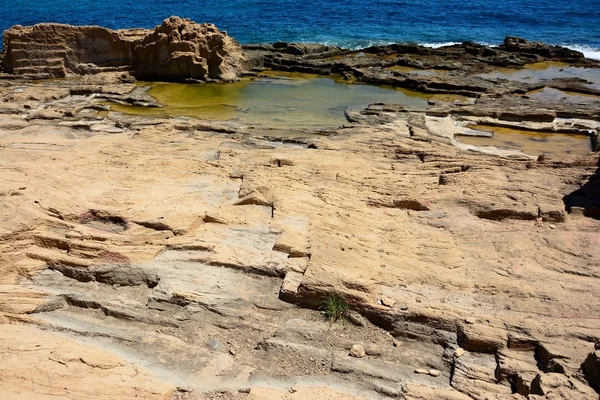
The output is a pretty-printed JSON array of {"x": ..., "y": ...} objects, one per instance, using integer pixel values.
[{"x": 182, "y": 259}]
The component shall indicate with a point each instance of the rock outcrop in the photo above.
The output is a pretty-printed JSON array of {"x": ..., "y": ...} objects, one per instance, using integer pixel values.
[
  {"x": 515, "y": 44},
  {"x": 57, "y": 50},
  {"x": 178, "y": 49}
]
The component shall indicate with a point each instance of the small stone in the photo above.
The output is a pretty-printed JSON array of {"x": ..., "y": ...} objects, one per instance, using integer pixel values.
[
  {"x": 236, "y": 174},
  {"x": 470, "y": 320},
  {"x": 434, "y": 372},
  {"x": 355, "y": 318},
  {"x": 215, "y": 345},
  {"x": 421, "y": 371},
  {"x": 397, "y": 343},
  {"x": 293, "y": 389},
  {"x": 357, "y": 351},
  {"x": 232, "y": 351},
  {"x": 373, "y": 350},
  {"x": 597, "y": 345},
  {"x": 552, "y": 226},
  {"x": 459, "y": 352},
  {"x": 386, "y": 301}
]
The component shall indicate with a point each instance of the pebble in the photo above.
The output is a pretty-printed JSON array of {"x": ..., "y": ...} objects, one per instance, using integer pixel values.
[
  {"x": 356, "y": 318},
  {"x": 397, "y": 343},
  {"x": 459, "y": 352},
  {"x": 434, "y": 372},
  {"x": 386, "y": 301},
  {"x": 357, "y": 351},
  {"x": 215, "y": 345},
  {"x": 552, "y": 226},
  {"x": 373, "y": 350},
  {"x": 470, "y": 320},
  {"x": 421, "y": 371}
]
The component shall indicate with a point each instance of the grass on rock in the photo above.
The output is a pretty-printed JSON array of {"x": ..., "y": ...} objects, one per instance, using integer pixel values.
[{"x": 334, "y": 307}]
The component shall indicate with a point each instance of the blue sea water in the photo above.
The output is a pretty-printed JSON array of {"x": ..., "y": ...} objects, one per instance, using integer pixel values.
[{"x": 347, "y": 23}]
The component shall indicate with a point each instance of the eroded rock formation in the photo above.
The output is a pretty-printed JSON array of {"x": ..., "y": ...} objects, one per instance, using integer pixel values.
[
  {"x": 180, "y": 49},
  {"x": 176, "y": 50}
]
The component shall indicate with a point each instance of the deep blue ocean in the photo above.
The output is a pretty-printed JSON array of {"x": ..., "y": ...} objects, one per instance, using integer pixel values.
[{"x": 347, "y": 23}]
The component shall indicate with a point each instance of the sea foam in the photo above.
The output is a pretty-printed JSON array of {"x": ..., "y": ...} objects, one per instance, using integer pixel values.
[{"x": 588, "y": 51}]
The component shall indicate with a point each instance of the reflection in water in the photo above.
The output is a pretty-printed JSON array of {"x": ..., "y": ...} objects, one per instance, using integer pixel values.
[
  {"x": 532, "y": 143},
  {"x": 548, "y": 70},
  {"x": 562, "y": 96},
  {"x": 274, "y": 100}
]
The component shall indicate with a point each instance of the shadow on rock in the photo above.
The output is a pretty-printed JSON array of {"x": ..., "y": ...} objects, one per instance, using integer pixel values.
[{"x": 586, "y": 199}]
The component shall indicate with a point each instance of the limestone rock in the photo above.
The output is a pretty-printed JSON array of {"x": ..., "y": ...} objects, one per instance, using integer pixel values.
[
  {"x": 481, "y": 338},
  {"x": 357, "y": 351},
  {"x": 561, "y": 386},
  {"x": 372, "y": 350},
  {"x": 181, "y": 49},
  {"x": 356, "y": 318},
  {"x": 386, "y": 301},
  {"x": 419, "y": 392},
  {"x": 177, "y": 50},
  {"x": 56, "y": 50}
]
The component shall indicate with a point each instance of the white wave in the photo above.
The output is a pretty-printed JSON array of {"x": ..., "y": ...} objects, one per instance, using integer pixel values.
[
  {"x": 588, "y": 51},
  {"x": 435, "y": 45}
]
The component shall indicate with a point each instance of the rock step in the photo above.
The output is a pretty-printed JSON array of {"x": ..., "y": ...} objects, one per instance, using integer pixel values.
[
  {"x": 35, "y": 46},
  {"x": 37, "y": 55},
  {"x": 56, "y": 71},
  {"x": 48, "y": 62}
]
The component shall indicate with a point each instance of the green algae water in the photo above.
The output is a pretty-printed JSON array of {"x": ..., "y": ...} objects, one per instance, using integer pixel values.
[{"x": 275, "y": 100}]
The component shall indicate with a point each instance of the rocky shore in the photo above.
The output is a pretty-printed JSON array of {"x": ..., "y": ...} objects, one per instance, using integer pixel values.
[{"x": 177, "y": 258}]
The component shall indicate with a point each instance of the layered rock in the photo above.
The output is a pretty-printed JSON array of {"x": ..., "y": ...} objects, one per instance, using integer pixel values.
[
  {"x": 517, "y": 44},
  {"x": 176, "y": 50},
  {"x": 181, "y": 49},
  {"x": 57, "y": 50}
]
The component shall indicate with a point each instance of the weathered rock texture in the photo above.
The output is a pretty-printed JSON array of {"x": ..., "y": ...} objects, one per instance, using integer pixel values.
[
  {"x": 155, "y": 254},
  {"x": 176, "y": 50},
  {"x": 180, "y": 49}
]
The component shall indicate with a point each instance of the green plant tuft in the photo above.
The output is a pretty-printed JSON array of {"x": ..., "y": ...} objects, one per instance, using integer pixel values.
[{"x": 334, "y": 306}]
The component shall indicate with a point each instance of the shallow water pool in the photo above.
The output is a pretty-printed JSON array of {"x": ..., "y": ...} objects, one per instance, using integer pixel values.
[
  {"x": 275, "y": 100},
  {"x": 532, "y": 143},
  {"x": 542, "y": 71}
]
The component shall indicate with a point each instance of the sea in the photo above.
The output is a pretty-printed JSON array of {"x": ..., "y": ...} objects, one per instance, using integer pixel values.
[{"x": 347, "y": 23}]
